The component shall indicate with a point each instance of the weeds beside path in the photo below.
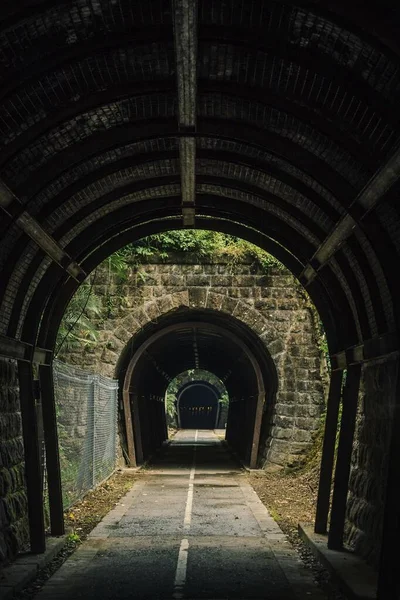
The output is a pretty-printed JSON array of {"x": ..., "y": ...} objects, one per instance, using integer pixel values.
[
  {"x": 84, "y": 515},
  {"x": 291, "y": 499}
]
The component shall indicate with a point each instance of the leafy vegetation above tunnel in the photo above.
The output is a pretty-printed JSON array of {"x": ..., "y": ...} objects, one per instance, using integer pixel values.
[
  {"x": 203, "y": 244},
  {"x": 76, "y": 328}
]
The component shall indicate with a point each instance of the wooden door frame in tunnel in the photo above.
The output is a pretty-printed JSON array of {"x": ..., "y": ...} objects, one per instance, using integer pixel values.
[
  {"x": 190, "y": 384},
  {"x": 132, "y": 420}
]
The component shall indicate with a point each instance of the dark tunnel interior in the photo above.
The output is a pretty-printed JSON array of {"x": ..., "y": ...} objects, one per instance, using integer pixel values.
[
  {"x": 192, "y": 339},
  {"x": 198, "y": 406}
]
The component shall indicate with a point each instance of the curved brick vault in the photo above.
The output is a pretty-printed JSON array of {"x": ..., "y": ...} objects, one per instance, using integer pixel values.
[{"x": 276, "y": 121}]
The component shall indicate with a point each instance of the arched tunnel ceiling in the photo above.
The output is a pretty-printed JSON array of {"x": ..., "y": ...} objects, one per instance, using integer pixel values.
[
  {"x": 187, "y": 339},
  {"x": 277, "y": 118},
  {"x": 195, "y": 346}
]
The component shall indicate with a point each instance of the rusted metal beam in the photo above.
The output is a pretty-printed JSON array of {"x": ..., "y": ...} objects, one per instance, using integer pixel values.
[
  {"x": 14, "y": 209},
  {"x": 185, "y": 36},
  {"x": 364, "y": 202}
]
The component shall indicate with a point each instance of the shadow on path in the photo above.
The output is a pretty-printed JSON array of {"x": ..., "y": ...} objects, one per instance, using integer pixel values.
[{"x": 190, "y": 528}]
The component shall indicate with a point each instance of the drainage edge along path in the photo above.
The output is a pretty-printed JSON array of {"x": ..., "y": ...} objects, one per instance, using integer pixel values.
[{"x": 191, "y": 528}]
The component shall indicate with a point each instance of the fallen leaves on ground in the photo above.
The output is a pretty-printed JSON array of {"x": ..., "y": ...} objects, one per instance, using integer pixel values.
[
  {"x": 84, "y": 515},
  {"x": 291, "y": 499},
  {"x": 80, "y": 519}
]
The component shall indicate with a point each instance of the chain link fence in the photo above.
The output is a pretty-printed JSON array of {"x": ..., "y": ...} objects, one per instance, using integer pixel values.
[{"x": 87, "y": 413}]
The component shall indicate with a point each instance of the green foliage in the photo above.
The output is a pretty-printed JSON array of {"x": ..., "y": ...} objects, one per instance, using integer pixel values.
[
  {"x": 118, "y": 265},
  {"x": 74, "y": 538},
  {"x": 203, "y": 244},
  {"x": 76, "y": 329},
  {"x": 224, "y": 399},
  {"x": 170, "y": 405}
]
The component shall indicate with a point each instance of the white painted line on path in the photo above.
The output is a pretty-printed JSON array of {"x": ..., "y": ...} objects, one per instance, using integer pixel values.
[
  {"x": 189, "y": 502},
  {"x": 181, "y": 568}
]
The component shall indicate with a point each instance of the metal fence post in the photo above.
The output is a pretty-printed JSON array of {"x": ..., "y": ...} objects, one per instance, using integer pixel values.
[{"x": 94, "y": 394}]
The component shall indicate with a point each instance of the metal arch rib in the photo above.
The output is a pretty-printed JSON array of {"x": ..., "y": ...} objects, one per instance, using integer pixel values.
[{"x": 377, "y": 187}]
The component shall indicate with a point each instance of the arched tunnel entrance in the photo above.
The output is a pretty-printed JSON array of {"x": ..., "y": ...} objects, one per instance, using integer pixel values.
[
  {"x": 197, "y": 406},
  {"x": 195, "y": 339}
]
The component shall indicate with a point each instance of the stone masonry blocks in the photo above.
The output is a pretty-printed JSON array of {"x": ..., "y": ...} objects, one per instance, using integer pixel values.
[
  {"x": 271, "y": 304},
  {"x": 13, "y": 502}
]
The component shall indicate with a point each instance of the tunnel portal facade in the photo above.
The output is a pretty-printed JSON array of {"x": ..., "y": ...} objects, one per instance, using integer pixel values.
[{"x": 268, "y": 301}]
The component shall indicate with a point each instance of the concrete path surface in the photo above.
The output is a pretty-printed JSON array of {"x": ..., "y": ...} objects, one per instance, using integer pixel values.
[{"x": 191, "y": 528}]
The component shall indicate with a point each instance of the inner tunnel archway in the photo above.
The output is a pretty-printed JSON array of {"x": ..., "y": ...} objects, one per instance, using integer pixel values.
[
  {"x": 197, "y": 406},
  {"x": 188, "y": 339}
]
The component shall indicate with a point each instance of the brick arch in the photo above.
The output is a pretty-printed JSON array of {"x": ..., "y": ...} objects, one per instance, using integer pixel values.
[
  {"x": 271, "y": 305},
  {"x": 194, "y": 298},
  {"x": 292, "y": 422}
]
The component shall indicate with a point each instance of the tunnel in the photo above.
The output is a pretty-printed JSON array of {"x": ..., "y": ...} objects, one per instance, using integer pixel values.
[
  {"x": 198, "y": 406},
  {"x": 193, "y": 339},
  {"x": 272, "y": 121}
]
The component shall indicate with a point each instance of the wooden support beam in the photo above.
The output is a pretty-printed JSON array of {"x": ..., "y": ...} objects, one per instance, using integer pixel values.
[
  {"x": 130, "y": 442},
  {"x": 255, "y": 442},
  {"x": 33, "y": 472},
  {"x": 328, "y": 452},
  {"x": 52, "y": 450},
  {"x": 12, "y": 348},
  {"x": 342, "y": 471},
  {"x": 185, "y": 36},
  {"x": 388, "y": 579},
  {"x": 374, "y": 348},
  {"x": 376, "y": 188},
  {"x": 137, "y": 426},
  {"x": 12, "y": 207}
]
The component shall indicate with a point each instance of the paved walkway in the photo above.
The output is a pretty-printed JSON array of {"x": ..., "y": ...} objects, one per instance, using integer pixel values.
[{"x": 191, "y": 528}]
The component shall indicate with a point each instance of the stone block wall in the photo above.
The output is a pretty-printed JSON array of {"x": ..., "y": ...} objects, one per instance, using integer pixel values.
[
  {"x": 370, "y": 458},
  {"x": 14, "y": 535},
  {"x": 271, "y": 303}
]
